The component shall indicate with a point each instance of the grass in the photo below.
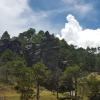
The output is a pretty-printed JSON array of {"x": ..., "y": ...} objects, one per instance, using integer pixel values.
[
  {"x": 10, "y": 94},
  {"x": 7, "y": 92},
  {"x": 47, "y": 95}
]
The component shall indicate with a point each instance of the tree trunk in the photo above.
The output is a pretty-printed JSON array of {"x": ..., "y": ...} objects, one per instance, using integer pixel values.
[
  {"x": 57, "y": 89},
  {"x": 70, "y": 94},
  {"x": 75, "y": 88},
  {"x": 57, "y": 95},
  {"x": 6, "y": 75},
  {"x": 38, "y": 91},
  {"x": 22, "y": 96}
]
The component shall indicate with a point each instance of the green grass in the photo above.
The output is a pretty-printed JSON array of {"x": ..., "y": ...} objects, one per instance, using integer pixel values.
[
  {"x": 45, "y": 95},
  {"x": 10, "y": 94},
  {"x": 7, "y": 92}
]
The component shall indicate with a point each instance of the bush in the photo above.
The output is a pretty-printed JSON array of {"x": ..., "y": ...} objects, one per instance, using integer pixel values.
[{"x": 94, "y": 96}]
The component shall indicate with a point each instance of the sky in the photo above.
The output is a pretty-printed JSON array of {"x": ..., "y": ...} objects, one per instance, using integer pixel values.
[{"x": 77, "y": 21}]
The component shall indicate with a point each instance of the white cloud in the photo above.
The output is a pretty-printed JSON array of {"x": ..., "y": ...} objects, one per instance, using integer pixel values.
[
  {"x": 79, "y": 6},
  {"x": 10, "y": 15},
  {"x": 83, "y": 8},
  {"x": 73, "y": 33},
  {"x": 16, "y": 16}
]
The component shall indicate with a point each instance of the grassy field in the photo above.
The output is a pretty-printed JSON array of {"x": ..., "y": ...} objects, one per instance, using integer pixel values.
[
  {"x": 8, "y": 93},
  {"x": 12, "y": 95}
]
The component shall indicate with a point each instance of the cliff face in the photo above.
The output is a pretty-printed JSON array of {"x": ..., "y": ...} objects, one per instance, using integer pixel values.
[
  {"x": 14, "y": 46},
  {"x": 47, "y": 50}
]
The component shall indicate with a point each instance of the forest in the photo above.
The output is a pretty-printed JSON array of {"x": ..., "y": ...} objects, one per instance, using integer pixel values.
[{"x": 37, "y": 64}]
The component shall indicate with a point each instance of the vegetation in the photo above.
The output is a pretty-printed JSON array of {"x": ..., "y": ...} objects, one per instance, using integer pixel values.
[{"x": 39, "y": 66}]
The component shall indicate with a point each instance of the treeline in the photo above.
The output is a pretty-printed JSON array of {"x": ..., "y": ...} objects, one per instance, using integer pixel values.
[{"x": 39, "y": 59}]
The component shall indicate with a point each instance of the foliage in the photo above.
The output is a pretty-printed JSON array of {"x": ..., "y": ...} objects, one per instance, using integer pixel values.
[
  {"x": 5, "y": 36},
  {"x": 94, "y": 87},
  {"x": 25, "y": 83},
  {"x": 41, "y": 59}
]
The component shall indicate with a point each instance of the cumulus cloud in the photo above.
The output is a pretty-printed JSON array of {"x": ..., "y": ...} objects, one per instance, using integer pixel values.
[
  {"x": 10, "y": 15},
  {"x": 73, "y": 33},
  {"x": 17, "y": 16}
]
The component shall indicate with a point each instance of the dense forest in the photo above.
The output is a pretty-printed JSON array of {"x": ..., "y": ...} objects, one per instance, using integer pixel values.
[{"x": 39, "y": 59}]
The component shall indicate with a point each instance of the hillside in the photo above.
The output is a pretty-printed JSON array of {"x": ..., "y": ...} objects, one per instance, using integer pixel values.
[{"x": 38, "y": 64}]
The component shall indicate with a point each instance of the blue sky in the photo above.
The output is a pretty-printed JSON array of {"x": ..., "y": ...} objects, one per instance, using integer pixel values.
[
  {"x": 48, "y": 13},
  {"x": 90, "y": 19},
  {"x": 77, "y": 21}
]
